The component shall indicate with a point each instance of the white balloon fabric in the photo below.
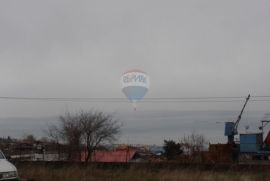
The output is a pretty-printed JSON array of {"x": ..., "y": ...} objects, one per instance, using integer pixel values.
[{"x": 135, "y": 84}]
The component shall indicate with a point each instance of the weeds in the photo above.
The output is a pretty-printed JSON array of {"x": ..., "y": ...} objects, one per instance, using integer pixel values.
[{"x": 78, "y": 173}]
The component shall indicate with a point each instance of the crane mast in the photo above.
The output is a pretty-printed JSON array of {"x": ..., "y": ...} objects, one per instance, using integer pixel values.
[{"x": 231, "y": 127}]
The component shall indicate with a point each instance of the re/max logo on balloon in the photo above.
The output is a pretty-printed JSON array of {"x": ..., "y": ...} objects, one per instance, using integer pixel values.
[{"x": 134, "y": 78}]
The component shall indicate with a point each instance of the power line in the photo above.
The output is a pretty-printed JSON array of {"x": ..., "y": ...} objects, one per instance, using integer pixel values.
[{"x": 146, "y": 100}]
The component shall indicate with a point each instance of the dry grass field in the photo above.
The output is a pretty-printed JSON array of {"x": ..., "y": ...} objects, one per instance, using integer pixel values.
[{"x": 79, "y": 173}]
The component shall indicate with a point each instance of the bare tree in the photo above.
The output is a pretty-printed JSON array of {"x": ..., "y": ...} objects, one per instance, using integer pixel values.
[
  {"x": 53, "y": 133},
  {"x": 29, "y": 137},
  {"x": 193, "y": 143},
  {"x": 85, "y": 128},
  {"x": 71, "y": 132},
  {"x": 98, "y": 128}
]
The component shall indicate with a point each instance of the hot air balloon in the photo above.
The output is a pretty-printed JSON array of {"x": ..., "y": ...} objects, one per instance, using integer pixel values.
[{"x": 135, "y": 84}]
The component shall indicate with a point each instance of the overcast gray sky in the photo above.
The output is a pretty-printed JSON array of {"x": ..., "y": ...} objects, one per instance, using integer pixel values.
[{"x": 192, "y": 48}]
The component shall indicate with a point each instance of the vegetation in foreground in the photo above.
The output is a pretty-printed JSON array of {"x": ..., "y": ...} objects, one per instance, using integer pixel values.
[{"x": 75, "y": 173}]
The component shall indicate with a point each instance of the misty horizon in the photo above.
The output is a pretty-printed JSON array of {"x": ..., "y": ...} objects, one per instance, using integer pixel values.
[{"x": 150, "y": 127}]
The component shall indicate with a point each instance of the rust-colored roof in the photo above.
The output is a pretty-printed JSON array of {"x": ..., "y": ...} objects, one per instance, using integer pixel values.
[{"x": 112, "y": 156}]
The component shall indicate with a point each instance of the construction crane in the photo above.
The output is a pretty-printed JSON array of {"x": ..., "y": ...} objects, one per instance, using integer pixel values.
[{"x": 231, "y": 127}]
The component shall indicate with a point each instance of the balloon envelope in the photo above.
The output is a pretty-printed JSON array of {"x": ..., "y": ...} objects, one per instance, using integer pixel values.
[
  {"x": 134, "y": 93},
  {"x": 135, "y": 84}
]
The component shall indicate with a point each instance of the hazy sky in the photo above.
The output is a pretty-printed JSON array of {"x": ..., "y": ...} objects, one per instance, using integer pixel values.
[{"x": 188, "y": 48}]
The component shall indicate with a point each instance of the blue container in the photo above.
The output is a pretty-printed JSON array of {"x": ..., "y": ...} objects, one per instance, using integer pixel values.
[{"x": 250, "y": 143}]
